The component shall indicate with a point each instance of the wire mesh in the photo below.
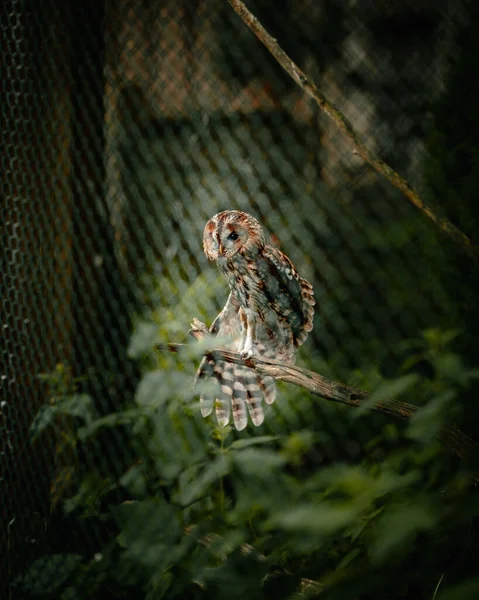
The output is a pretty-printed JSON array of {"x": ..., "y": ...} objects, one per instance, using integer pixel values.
[{"x": 125, "y": 127}]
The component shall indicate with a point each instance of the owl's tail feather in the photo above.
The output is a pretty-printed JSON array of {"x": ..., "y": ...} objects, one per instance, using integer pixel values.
[
  {"x": 238, "y": 402},
  {"x": 268, "y": 388},
  {"x": 206, "y": 369},
  {"x": 222, "y": 400},
  {"x": 206, "y": 406},
  {"x": 224, "y": 373},
  {"x": 237, "y": 388},
  {"x": 254, "y": 396}
]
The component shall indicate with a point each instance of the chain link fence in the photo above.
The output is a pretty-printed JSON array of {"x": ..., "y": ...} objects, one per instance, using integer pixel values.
[{"x": 125, "y": 127}]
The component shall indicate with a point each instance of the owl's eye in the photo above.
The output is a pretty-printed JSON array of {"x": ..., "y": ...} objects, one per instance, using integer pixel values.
[{"x": 233, "y": 236}]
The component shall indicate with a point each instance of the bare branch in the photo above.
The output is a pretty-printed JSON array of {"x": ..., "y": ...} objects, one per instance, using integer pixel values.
[
  {"x": 308, "y": 86},
  {"x": 325, "y": 388}
]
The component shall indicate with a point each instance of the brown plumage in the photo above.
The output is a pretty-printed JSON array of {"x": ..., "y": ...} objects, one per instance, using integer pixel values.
[{"x": 269, "y": 313}]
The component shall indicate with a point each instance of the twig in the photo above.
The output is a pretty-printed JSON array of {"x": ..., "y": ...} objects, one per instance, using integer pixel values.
[
  {"x": 334, "y": 391},
  {"x": 437, "y": 586},
  {"x": 308, "y": 86}
]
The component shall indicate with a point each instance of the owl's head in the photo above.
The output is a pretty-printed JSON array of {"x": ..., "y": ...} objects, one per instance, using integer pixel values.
[{"x": 232, "y": 231}]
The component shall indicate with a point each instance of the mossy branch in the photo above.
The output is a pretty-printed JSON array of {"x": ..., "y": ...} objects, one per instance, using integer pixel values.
[{"x": 339, "y": 119}]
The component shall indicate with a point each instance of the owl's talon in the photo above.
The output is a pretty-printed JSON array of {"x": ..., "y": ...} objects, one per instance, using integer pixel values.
[{"x": 245, "y": 354}]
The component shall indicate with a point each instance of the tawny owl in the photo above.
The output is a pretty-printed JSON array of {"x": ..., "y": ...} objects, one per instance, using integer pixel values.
[{"x": 269, "y": 313}]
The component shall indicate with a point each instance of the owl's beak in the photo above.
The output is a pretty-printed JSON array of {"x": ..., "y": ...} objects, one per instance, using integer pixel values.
[{"x": 221, "y": 250}]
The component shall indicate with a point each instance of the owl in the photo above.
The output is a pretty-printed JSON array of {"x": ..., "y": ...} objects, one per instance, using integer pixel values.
[{"x": 268, "y": 314}]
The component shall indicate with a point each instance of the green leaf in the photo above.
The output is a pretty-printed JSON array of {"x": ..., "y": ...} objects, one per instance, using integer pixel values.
[
  {"x": 388, "y": 390},
  {"x": 297, "y": 444},
  {"x": 201, "y": 484},
  {"x": 48, "y": 573},
  {"x": 238, "y": 578},
  {"x": 43, "y": 419},
  {"x": 438, "y": 338},
  {"x": 398, "y": 526},
  {"x": 323, "y": 518},
  {"x": 157, "y": 387},
  {"x": 356, "y": 481},
  {"x": 246, "y": 443},
  {"x": 77, "y": 405},
  {"x": 160, "y": 587},
  {"x": 149, "y": 530},
  {"x": 151, "y": 390},
  {"x": 143, "y": 339},
  {"x": 126, "y": 417},
  {"x": 258, "y": 462},
  {"x": 88, "y": 495},
  {"x": 428, "y": 421},
  {"x": 135, "y": 481}
]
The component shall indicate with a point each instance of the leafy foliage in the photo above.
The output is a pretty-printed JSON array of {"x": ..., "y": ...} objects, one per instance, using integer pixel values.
[{"x": 210, "y": 512}]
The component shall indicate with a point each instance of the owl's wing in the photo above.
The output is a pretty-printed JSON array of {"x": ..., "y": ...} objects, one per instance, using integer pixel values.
[
  {"x": 227, "y": 323},
  {"x": 288, "y": 294},
  {"x": 239, "y": 389}
]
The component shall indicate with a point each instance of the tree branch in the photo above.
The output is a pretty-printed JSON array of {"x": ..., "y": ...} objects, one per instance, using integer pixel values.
[
  {"x": 325, "y": 388},
  {"x": 308, "y": 86}
]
